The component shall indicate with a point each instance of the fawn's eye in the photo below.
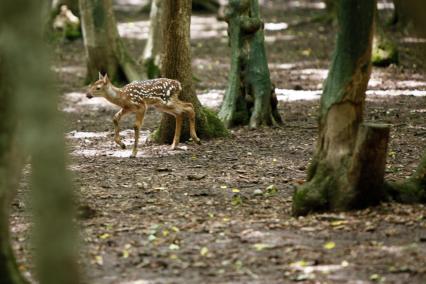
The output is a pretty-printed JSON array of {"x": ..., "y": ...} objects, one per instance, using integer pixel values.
[{"x": 98, "y": 88}]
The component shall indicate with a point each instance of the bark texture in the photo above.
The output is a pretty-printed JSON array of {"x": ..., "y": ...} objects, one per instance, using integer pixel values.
[
  {"x": 176, "y": 64},
  {"x": 250, "y": 97},
  {"x": 348, "y": 164},
  {"x": 152, "y": 53},
  {"x": 39, "y": 134},
  {"x": 105, "y": 51}
]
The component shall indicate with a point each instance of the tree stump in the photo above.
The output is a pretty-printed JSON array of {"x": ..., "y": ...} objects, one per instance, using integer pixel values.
[{"x": 348, "y": 166}]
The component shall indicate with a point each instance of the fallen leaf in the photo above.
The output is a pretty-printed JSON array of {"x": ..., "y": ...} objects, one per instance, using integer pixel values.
[
  {"x": 329, "y": 245},
  {"x": 204, "y": 251}
]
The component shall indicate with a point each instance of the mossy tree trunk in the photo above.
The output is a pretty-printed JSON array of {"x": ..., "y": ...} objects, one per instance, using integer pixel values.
[
  {"x": 176, "y": 64},
  {"x": 105, "y": 50},
  {"x": 413, "y": 189},
  {"x": 39, "y": 134},
  {"x": 152, "y": 52},
  {"x": 385, "y": 51},
  {"x": 250, "y": 97},
  {"x": 10, "y": 164},
  {"x": 348, "y": 165}
]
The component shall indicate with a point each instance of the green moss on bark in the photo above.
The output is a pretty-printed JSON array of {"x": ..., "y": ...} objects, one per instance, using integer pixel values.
[
  {"x": 213, "y": 126},
  {"x": 384, "y": 53}
]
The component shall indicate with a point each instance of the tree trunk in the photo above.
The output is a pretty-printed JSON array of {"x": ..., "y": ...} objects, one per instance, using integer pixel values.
[
  {"x": 152, "y": 52},
  {"x": 176, "y": 64},
  {"x": 10, "y": 166},
  {"x": 401, "y": 15},
  {"x": 348, "y": 166},
  {"x": 35, "y": 105},
  {"x": 385, "y": 51},
  {"x": 250, "y": 97},
  {"x": 104, "y": 48},
  {"x": 413, "y": 189},
  {"x": 206, "y": 5}
]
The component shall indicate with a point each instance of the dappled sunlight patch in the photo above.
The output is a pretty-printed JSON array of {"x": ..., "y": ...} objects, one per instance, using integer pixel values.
[
  {"x": 276, "y": 26},
  {"x": 308, "y": 64},
  {"x": 73, "y": 69},
  {"x": 280, "y": 37},
  {"x": 282, "y": 66},
  {"x": 410, "y": 84},
  {"x": 95, "y": 144},
  {"x": 306, "y": 5},
  {"x": 82, "y": 134},
  {"x": 74, "y": 96},
  {"x": 379, "y": 79},
  {"x": 207, "y": 27},
  {"x": 415, "y": 93},
  {"x": 201, "y": 28},
  {"x": 313, "y": 74},
  {"x": 130, "y": 5},
  {"x": 134, "y": 30},
  {"x": 212, "y": 98},
  {"x": 385, "y": 5},
  {"x": 413, "y": 40},
  {"x": 295, "y": 95}
]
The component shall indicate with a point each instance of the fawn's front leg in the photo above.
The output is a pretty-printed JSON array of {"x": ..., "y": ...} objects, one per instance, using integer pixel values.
[
  {"x": 178, "y": 129},
  {"x": 116, "y": 120},
  {"x": 138, "y": 123}
]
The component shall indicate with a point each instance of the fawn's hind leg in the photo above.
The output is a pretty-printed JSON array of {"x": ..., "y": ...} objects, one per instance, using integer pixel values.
[
  {"x": 189, "y": 109},
  {"x": 138, "y": 123}
]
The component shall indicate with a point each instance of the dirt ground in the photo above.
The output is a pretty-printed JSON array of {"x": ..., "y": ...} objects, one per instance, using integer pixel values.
[{"x": 220, "y": 212}]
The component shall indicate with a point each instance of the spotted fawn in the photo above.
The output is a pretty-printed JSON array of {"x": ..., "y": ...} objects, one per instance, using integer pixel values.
[{"x": 135, "y": 97}]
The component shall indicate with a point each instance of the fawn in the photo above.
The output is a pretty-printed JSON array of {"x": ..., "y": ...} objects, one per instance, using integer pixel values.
[{"x": 136, "y": 96}]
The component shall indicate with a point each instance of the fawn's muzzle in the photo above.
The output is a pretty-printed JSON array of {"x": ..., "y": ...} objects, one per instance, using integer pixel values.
[{"x": 89, "y": 96}]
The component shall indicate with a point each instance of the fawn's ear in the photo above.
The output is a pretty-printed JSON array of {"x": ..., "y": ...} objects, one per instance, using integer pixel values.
[
  {"x": 106, "y": 79},
  {"x": 100, "y": 76}
]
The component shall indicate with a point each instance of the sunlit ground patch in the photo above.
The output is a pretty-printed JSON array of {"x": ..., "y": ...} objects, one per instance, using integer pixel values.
[
  {"x": 280, "y": 37},
  {"x": 295, "y": 95},
  {"x": 306, "y": 5},
  {"x": 134, "y": 30},
  {"x": 95, "y": 144},
  {"x": 212, "y": 98},
  {"x": 276, "y": 26},
  {"x": 201, "y": 28},
  {"x": 413, "y": 40},
  {"x": 82, "y": 135},
  {"x": 75, "y": 70}
]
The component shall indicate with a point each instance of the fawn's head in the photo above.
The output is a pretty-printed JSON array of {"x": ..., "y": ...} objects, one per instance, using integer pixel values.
[{"x": 99, "y": 88}]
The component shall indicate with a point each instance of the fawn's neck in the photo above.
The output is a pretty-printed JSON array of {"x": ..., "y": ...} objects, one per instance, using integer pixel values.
[{"x": 113, "y": 94}]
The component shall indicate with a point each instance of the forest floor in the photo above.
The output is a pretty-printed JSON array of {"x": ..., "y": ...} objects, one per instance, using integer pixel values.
[{"x": 220, "y": 212}]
